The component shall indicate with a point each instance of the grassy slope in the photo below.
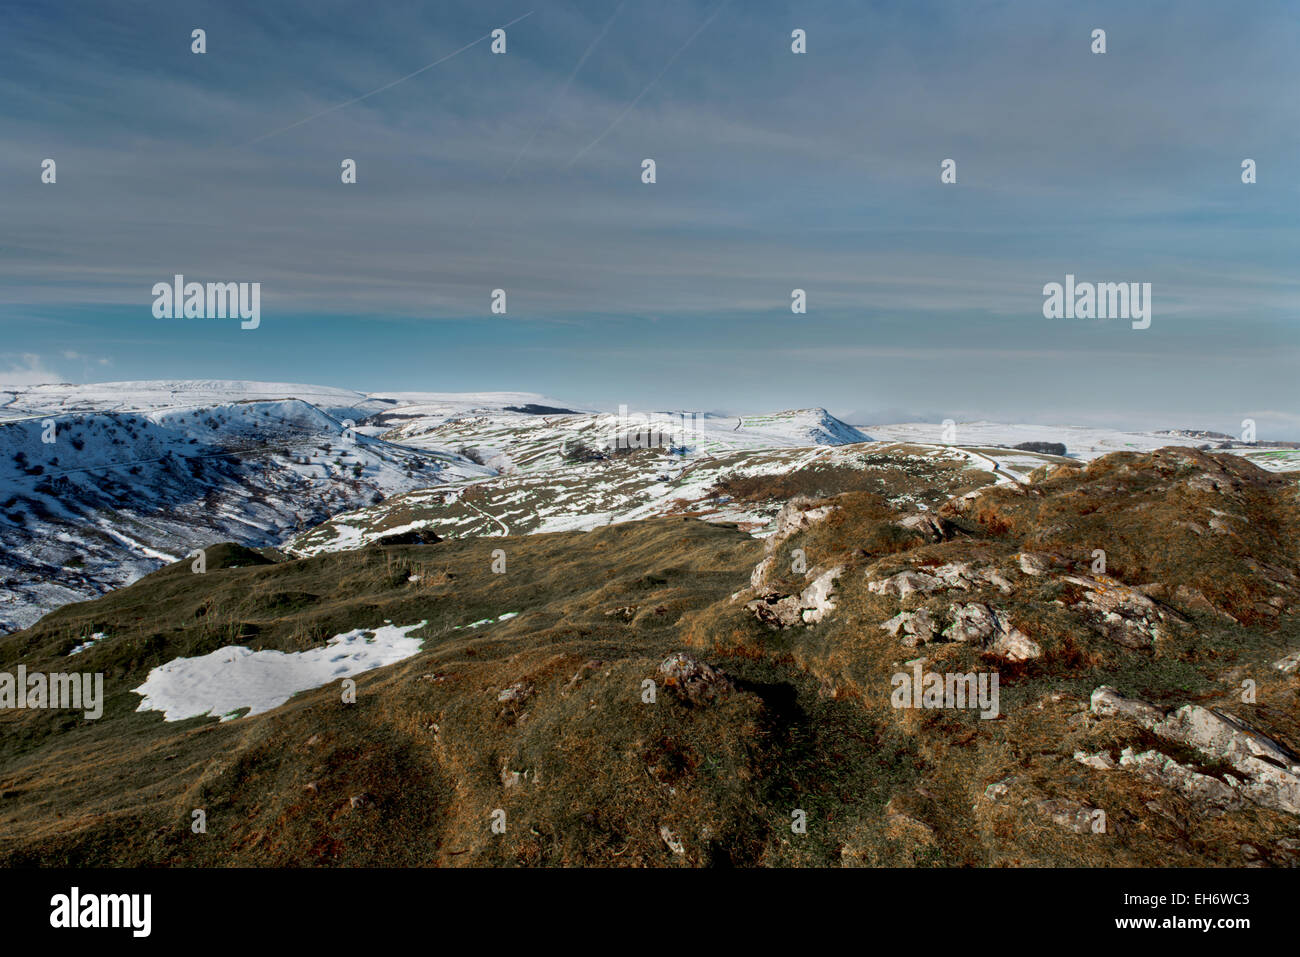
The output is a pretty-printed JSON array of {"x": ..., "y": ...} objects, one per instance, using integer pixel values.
[{"x": 428, "y": 747}]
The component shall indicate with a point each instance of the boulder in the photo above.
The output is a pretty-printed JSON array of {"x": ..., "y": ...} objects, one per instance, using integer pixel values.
[
  {"x": 904, "y": 584},
  {"x": 928, "y": 526},
  {"x": 973, "y": 623},
  {"x": 1120, "y": 613},
  {"x": 517, "y": 693},
  {"x": 1070, "y": 815},
  {"x": 1013, "y": 644},
  {"x": 1107, "y": 702},
  {"x": 918, "y": 627},
  {"x": 777, "y": 611},
  {"x": 693, "y": 679}
]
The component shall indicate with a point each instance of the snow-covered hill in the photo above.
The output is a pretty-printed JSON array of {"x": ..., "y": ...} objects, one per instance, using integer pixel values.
[
  {"x": 91, "y": 500},
  {"x": 152, "y": 395},
  {"x": 584, "y": 496},
  {"x": 512, "y": 441},
  {"x": 102, "y": 483},
  {"x": 1081, "y": 442}
]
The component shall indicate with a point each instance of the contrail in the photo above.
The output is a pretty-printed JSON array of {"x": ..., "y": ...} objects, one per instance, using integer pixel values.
[
  {"x": 627, "y": 109},
  {"x": 386, "y": 86},
  {"x": 565, "y": 87}
]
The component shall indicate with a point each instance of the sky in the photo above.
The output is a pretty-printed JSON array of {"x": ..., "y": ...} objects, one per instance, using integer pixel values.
[{"x": 774, "y": 171}]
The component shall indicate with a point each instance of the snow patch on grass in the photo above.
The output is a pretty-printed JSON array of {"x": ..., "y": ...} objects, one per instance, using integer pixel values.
[
  {"x": 96, "y": 637},
  {"x": 233, "y": 678}
]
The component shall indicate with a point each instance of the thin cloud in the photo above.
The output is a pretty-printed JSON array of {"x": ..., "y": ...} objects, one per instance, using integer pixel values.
[
  {"x": 649, "y": 86},
  {"x": 386, "y": 86}
]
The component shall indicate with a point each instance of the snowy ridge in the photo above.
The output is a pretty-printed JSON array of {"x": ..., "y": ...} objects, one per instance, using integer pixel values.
[{"x": 512, "y": 441}]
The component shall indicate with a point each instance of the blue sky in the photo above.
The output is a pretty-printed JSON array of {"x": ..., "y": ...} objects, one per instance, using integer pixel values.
[{"x": 775, "y": 171}]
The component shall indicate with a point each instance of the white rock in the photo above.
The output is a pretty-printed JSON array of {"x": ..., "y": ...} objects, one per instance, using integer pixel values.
[
  {"x": 904, "y": 584},
  {"x": 918, "y": 627},
  {"x": 972, "y": 623},
  {"x": 1107, "y": 702},
  {"x": 670, "y": 839},
  {"x": 1102, "y": 760},
  {"x": 1197, "y": 787},
  {"x": 1068, "y": 814},
  {"x": 816, "y": 598},
  {"x": 1032, "y": 564},
  {"x": 1272, "y": 770},
  {"x": 1014, "y": 645},
  {"x": 1290, "y": 664}
]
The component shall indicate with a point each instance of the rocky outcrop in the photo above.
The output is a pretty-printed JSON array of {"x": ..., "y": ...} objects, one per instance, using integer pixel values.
[
  {"x": 1270, "y": 772},
  {"x": 758, "y": 577},
  {"x": 1214, "y": 794},
  {"x": 972, "y": 623},
  {"x": 809, "y": 607},
  {"x": 917, "y": 627},
  {"x": 1013, "y": 645},
  {"x": 905, "y": 583},
  {"x": 777, "y": 611},
  {"x": 797, "y": 515},
  {"x": 963, "y": 576},
  {"x": 929, "y": 526},
  {"x": 1122, "y": 614},
  {"x": 815, "y": 600},
  {"x": 980, "y": 625}
]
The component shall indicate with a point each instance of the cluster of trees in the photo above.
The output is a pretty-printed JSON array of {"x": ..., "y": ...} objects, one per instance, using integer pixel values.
[{"x": 1045, "y": 448}]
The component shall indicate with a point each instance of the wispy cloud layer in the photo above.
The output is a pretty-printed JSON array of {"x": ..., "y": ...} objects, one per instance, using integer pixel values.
[{"x": 775, "y": 171}]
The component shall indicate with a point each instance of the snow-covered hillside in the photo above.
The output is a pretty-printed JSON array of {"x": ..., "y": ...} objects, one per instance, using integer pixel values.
[
  {"x": 92, "y": 500},
  {"x": 172, "y": 393},
  {"x": 1081, "y": 442},
  {"x": 102, "y": 483},
  {"x": 512, "y": 441},
  {"x": 580, "y": 497}
]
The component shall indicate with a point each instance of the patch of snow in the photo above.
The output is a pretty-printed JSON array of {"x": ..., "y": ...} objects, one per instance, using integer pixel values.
[
  {"x": 233, "y": 678},
  {"x": 96, "y": 637}
]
